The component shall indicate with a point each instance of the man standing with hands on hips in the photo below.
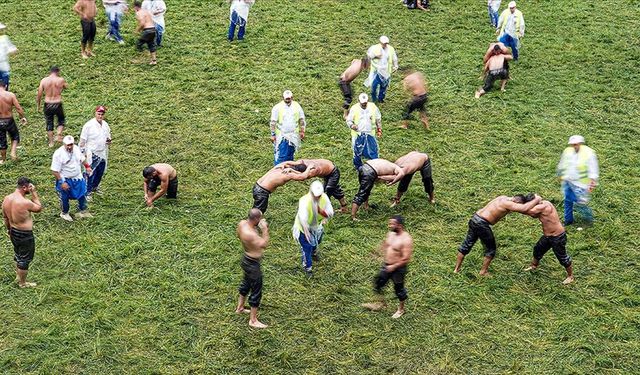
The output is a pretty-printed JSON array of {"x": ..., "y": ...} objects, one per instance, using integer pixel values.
[{"x": 96, "y": 138}]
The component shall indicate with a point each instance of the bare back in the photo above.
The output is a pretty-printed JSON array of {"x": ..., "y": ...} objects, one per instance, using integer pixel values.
[
  {"x": 352, "y": 71},
  {"x": 321, "y": 167},
  {"x": 498, "y": 208},
  {"x": 252, "y": 243},
  {"x": 145, "y": 19},
  {"x": 274, "y": 178},
  {"x": 415, "y": 83},
  {"x": 52, "y": 87},
  {"x": 165, "y": 171},
  {"x": 548, "y": 216},
  {"x": 397, "y": 247},
  {"x": 7, "y": 100},
  {"x": 412, "y": 162},
  {"x": 383, "y": 167},
  {"x": 16, "y": 210}
]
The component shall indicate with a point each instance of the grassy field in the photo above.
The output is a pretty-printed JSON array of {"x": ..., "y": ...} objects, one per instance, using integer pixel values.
[{"x": 138, "y": 291}]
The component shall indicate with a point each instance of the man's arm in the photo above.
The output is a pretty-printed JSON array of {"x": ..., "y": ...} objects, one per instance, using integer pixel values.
[
  {"x": 78, "y": 8},
  {"x": 19, "y": 109},
  {"x": 302, "y": 122},
  {"x": 5, "y": 218},
  {"x": 161, "y": 8},
  {"x": 304, "y": 219},
  {"x": 327, "y": 210},
  {"x": 536, "y": 210},
  {"x": 523, "y": 208},
  {"x": 39, "y": 96},
  {"x": 399, "y": 173},
  {"x": 301, "y": 176},
  {"x": 35, "y": 205},
  {"x": 164, "y": 186},
  {"x": 264, "y": 239},
  {"x": 508, "y": 56},
  {"x": 140, "y": 23},
  {"x": 145, "y": 186},
  {"x": 378, "y": 122},
  {"x": 83, "y": 136},
  {"x": 593, "y": 171}
]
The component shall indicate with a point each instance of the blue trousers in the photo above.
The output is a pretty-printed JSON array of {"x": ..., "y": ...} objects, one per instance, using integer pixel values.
[
  {"x": 379, "y": 88},
  {"x": 98, "y": 165},
  {"x": 283, "y": 152},
  {"x": 236, "y": 20},
  {"x": 511, "y": 42},
  {"x": 77, "y": 190},
  {"x": 308, "y": 249},
  {"x": 574, "y": 195},
  {"x": 114, "y": 25},
  {"x": 493, "y": 17},
  {"x": 159, "y": 33},
  {"x": 365, "y": 146}
]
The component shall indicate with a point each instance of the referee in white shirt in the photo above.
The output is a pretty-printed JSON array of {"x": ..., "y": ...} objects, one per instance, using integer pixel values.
[{"x": 96, "y": 138}]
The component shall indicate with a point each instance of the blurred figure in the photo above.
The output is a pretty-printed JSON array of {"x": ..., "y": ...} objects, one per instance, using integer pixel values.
[
  {"x": 415, "y": 83},
  {"x": 158, "y": 8},
  {"x": 114, "y": 10},
  {"x": 147, "y": 30},
  {"x": 494, "y": 8},
  {"x": 6, "y": 49},
  {"x": 8, "y": 102},
  {"x": 396, "y": 251},
  {"x": 510, "y": 28},
  {"x": 238, "y": 14},
  {"x": 357, "y": 66}
]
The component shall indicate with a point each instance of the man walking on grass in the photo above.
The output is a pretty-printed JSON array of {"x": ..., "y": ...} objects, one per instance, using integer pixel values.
[
  {"x": 384, "y": 61},
  {"x": 396, "y": 251},
  {"x": 8, "y": 102},
  {"x": 510, "y": 28},
  {"x": 52, "y": 86},
  {"x": 114, "y": 10},
  {"x": 16, "y": 212},
  {"x": 288, "y": 125},
  {"x": 553, "y": 237},
  {"x": 361, "y": 119},
  {"x": 157, "y": 8},
  {"x": 481, "y": 222},
  {"x": 86, "y": 9},
  {"x": 147, "y": 30},
  {"x": 70, "y": 183},
  {"x": 96, "y": 139},
  {"x": 254, "y": 245},
  {"x": 314, "y": 209}
]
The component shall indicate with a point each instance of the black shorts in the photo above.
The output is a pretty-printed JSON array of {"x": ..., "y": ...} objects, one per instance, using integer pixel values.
[
  {"x": 558, "y": 244},
  {"x": 493, "y": 76},
  {"x": 52, "y": 110},
  {"x": 427, "y": 179},
  {"x": 88, "y": 31},
  {"x": 8, "y": 125},
  {"x": 260, "y": 198},
  {"x": 252, "y": 281},
  {"x": 172, "y": 189},
  {"x": 416, "y": 104},
  {"x": 347, "y": 93},
  {"x": 24, "y": 247},
  {"x": 148, "y": 37},
  {"x": 397, "y": 276},
  {"x": 332, "y": 184},
  {"x": 367, "y": 176},
  {"x": 479, "y": 228}
]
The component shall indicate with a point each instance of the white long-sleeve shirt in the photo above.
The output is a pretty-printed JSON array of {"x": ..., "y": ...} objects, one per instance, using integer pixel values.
[
  {"x": 241, "y": 7},
  {"x": 6, "y": 48},
  {"x": 94, "y": 137},
  {"x": 157, "y": 8}
]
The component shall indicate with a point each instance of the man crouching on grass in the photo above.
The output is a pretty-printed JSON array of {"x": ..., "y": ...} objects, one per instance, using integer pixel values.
[
  {"x": 396, "y": 250},
  {"x": 553, "y": 237},
  {"x": 254, "y": 245},
  {"x": 162, "y": 175}
]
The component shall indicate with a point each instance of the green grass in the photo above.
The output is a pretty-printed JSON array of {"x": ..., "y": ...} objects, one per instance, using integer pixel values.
[{"x": 137, "y": 291}]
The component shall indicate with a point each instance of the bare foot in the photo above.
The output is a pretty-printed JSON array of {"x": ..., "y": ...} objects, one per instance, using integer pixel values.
[
  {"x": 374, "y": 306},
  {"x": 50, "y": 145},
  {"x": 344, "y": 209},
  {"x": 355, "y": 219},
  {"x": 90, "y": 53},
  {"x": 484, "y": 273},
  {"x": 403, "y": 126},
  {"x": 456, "y": 270},
  {"x": 243, "y": 311},
  {"x": 1, "y": 162},
  {"x": 432, "y": 201},
  {"x": 14, "y": 157},
  {"x": 257, "y": 324},
  {"x": 530, "y": 268},
  {"x": 27, "y": 285},
  {"x": 426, "y": 124},
  {"x": 153, "y": 62},
  {"x": 398, "y": 314},
  {"x": 477, "y": 95},
  {"x": 84, "y": 55},
  {"x": 394, "y": 202},
  {"x": 568, "y": 280}
]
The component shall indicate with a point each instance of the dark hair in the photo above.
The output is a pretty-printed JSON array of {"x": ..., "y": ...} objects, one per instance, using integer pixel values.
[
  {"x": 299, "y": 167},
  {"x": 137, "y": 4},
  {"x": 366, "y": 61},
  {"x": 254, "y": 214},
  {"x": 399, "y": 219},
  {"x": 148, "y": 172},
  {"x": 23, "y": 181},
  {"x": 524, "y": 198},
  {"x": 497, "y": 48},
  {"x": 54, "y": 69}
]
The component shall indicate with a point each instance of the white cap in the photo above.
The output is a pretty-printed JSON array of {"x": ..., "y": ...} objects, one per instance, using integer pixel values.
[
  {"x": 384, "y": 39},
  {"x": 512, "y": 4},
  {"x": 2, "y": 26},
  {"x": 68, "y": 140},
  {"x": 363, "y": 98},
  {"x": 316, "y": 188},
  {"x": 287, "y": 94},
  {"x": 575, "y": 139}
]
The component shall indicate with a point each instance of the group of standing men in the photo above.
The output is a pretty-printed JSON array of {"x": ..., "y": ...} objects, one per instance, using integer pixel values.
[{"x": 149, "y": 17}]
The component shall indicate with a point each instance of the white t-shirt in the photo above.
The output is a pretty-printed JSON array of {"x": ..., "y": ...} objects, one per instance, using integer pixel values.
[
  {"x": 6, "y": 48},
  {"x": 241, "y": 7},
  {"x": 68, "y": 164},
  {"x": 157, "y": 8},
  {"x": 94, "y": 137}
]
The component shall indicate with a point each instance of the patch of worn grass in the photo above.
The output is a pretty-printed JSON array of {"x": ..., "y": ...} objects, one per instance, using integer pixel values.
[{"x": 139, "y": 291}]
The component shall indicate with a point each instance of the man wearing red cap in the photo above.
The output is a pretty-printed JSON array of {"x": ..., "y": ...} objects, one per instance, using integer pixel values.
[{"x": 96, "y": 138}]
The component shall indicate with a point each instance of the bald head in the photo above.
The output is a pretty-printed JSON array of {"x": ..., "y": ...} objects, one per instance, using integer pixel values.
[{"x": 254, "y": 215}]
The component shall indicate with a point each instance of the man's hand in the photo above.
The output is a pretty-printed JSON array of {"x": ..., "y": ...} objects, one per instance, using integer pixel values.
[
  {"x": 262, "y": 224},
  {"x": 32, "y": 188},
  {"x": 89, "y": 171},
  {"x": 592, "y": 185},
  {"x": 64, "y": 186},
  {"x": 302, "y": 134},
  {"x": 354, "y": 127},
  {"x": 379, "y": 133},
  {"x": 273, "y": 139},
  {"x": 148, "y": 202}
]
